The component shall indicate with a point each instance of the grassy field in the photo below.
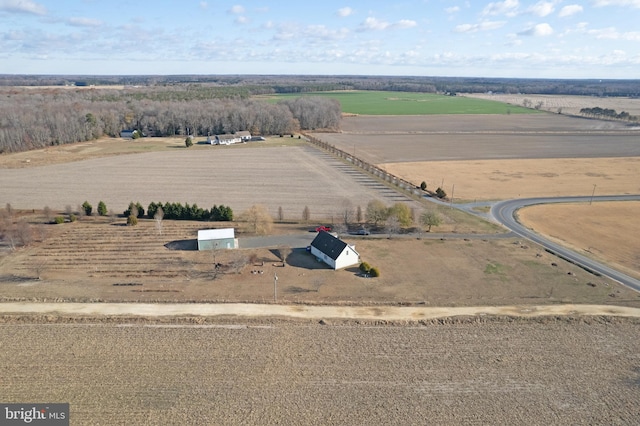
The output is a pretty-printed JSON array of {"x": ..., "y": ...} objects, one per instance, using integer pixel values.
[{"x": 403, "y": 103}]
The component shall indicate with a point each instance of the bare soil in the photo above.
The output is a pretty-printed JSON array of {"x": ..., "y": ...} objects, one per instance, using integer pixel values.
[
  {"x": 605, "y": 231},
  {"x": 281, "y": 173},
  {"x": 581, "y": 371}
]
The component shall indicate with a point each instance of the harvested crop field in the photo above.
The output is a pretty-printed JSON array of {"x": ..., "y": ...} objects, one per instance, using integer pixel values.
[
  {"x": 476, "y": 137},
  {"x": 547, "y": 371},
  {"x": 566, "y": 103},
  {"x": 291, "y": 177},
  {"x": 504, "y": 179},
  {"x": 613, "y": 230}
]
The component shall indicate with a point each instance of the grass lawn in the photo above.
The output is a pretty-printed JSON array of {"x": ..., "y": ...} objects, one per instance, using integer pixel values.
[{"x": 405, "y": 103}]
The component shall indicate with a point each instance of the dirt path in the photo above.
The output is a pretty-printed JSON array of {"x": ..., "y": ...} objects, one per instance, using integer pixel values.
[{"x": 389, "y": 313}]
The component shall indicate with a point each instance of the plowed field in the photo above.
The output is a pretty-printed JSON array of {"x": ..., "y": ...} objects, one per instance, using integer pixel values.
[{"x": 497, "y": 372}]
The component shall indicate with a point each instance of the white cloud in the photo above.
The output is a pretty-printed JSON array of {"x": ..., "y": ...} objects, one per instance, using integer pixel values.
[
  {"x": 237, "y": 9},
  {"x": 482, "y": 26},
  {"x": 344, "y": 12},
  {"x": 569, "y": 10},
  {"x": 22, "y": 6},
  {"x": 453, "y": 9},
  {"x": 405, "y": 23},
  {"x": 539, "y": 30},
  {"x": 631, "y": 3},
  {"x": 84, "y": 22},
  {"x": 612, "y": 33},
  {"x": 506, "y": 7},
  {"x": 241, "y": 20},
  {"x": 373, "y": 24},
  {"x": 542, "y": 8},
  {"x": 204, "y": 5}
]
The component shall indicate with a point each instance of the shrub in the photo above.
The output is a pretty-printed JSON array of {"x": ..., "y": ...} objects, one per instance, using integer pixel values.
[
  {"x": 365, "y": 267},
  {"x": 188, "y": 142},
  {"x": 135, "y": 209},
  {"x": 132, "y": 220},
  {"x": 102, "y": 208},
  {"x": 88, "y": 208},
  {"x": 423, "y": 186},
  {"x": 440, "y": 193},
  {"x": 59, "y": 219},
  {"x": 375, "y": 272}
]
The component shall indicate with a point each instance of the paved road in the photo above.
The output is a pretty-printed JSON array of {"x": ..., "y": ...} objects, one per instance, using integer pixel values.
[{"x": 504, "y": 212}]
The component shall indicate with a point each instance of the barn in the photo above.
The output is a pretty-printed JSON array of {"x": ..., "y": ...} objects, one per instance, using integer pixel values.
[
  {"x": 333, "y": 251},
  {"x": 213, "y": 239}
]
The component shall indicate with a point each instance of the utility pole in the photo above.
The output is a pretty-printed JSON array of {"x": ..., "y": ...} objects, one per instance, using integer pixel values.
[
  {"x": 592, "y": 194},
  {"x": 275, "y": 287},
  {"x": 452, "y": 189}
]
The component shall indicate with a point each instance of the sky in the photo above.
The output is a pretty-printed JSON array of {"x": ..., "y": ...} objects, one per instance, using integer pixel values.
[{"x": 511, "y": 38}]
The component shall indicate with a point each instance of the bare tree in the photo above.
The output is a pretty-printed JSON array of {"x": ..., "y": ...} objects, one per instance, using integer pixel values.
[
  {"x": 346, "y": 212},
  {"x": 283, "y": 252},
  {"x": 48, "y": 214},
  {"x": 392, "y": 225},
  {"x": 280, "y": 214},
  {"x": 259, "y": 220},
  {"x": 376, "y": 212},
  {"x": 306, "y": 214},
  {"x": 158, "y": 216},
  {"x": 238, "y": 262},
  {"x": 359, "y": 216}
]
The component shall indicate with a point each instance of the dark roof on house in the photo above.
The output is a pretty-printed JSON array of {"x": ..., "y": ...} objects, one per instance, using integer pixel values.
[{"x": 328, "y": 244}]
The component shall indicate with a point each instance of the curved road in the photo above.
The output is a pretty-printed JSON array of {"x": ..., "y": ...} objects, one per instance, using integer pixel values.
[{"x": 504, "y": 212}]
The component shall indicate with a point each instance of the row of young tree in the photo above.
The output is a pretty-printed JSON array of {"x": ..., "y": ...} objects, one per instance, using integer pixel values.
[
  {"x": 598, "y": 112},
  {"x": 32, "y": 119},
  {"x": 177, "y": 211}
]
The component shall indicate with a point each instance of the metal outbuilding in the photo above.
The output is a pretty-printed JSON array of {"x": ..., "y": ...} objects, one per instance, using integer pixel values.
[{"x": 213, "y": 239}]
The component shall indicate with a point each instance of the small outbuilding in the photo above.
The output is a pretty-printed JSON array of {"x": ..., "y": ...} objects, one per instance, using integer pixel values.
[
  {"x": 213, "y": 239},
  {"x": 333, "y": 251}
]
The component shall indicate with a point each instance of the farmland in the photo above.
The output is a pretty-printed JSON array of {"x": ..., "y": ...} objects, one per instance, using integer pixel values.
[
  {"x": 237, "y": 372},
  {"x": 402, "y": 103}
]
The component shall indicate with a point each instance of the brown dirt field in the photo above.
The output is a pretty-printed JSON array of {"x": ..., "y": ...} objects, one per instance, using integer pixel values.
[
  {"x": 482, "y": 137},
  {"x": 568, "y": 104},
  {"x": 612, "y": 236},
  {"x": 467, "y": 372},
  {"x": 291, "y": 176},
  {"x": 504, "y": 179},
  {"x": 96, "y": 260}
]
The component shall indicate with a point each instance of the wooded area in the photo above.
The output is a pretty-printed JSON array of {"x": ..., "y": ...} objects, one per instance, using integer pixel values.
[{"x": 35, "y": 118}]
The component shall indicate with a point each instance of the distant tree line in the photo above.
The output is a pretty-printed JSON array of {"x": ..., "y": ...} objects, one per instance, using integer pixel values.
[
  {"x": 598, "y": 112},
  {"x": 188, "y": 87},
  {"x": 177, "y": 211},
  {"x": 31, "y": 118}
]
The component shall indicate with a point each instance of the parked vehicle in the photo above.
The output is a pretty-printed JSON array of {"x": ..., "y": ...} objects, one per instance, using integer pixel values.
[
  {"x": 323, "y": 228},
  {"x": 362, "y": 232}
]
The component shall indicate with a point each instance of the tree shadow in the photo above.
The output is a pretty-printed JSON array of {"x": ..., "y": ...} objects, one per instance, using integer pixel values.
[
  {"x": 297, "y": 290},
  {"x": 187, "y": 245}
]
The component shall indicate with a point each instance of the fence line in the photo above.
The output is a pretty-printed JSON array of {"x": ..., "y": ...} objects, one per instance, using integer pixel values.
[{"x": 372, "y": 169}]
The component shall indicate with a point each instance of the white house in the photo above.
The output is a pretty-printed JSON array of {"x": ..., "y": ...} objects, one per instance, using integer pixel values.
[
  {"x": 213, "y": 239},
  {"x": 333, "y": 251},
  {"x": 229, "y": 139}
]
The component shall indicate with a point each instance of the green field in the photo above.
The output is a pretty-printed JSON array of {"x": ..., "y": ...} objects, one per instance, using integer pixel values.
[{"x": 405, "y": 103}]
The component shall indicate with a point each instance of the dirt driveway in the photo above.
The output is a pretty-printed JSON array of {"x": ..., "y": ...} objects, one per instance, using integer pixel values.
[{"x": 387, "y": 313}]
